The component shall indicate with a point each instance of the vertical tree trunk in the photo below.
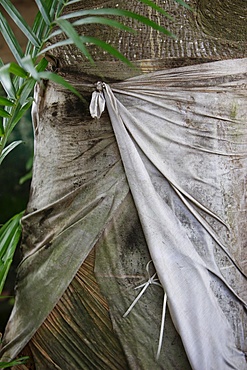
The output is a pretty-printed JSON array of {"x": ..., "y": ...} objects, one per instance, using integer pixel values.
[{"x": 81, "y": 206}]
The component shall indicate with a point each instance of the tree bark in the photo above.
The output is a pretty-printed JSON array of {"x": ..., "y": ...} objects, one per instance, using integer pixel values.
[
  {"x": 75, "y": 154},
  {"x": 211, "y": 32}
]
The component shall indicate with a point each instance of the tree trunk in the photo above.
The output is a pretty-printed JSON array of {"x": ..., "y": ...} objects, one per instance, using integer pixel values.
[{"x": 84, "y": 249}]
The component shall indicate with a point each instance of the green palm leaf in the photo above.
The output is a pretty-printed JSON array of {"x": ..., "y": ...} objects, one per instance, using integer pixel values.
[
  {"x": 6, "y": 81},
  {"x": 19, "y": 361},
  {"x": 71, "y": 2},
  {"x": 157, "y": 8},
  {"x": 20, "y": 22},
  {"x": 44, "y": 10},
  {"x": 20, "y": 112},
  {"x": 4, "y": 113},
  {"x": 183, "y": 3},
  {"x": 17, "y": 70},
  {"x": 40, "y": 29},
  {"x": 105, "y": 21},
  {"x": 70, "y": 31},
  {"x": 59, "y": 80},
  {"x": 55, "y": 7},
  {"x": 27, "y": 63},
  {"x": 7, "y": 150},
  {"x": 10, "y": 39},
  {"x": 119, "y": 12},
  {"x": 94, "y": 19},
  {"x": 107, "y": 47},
  {"x": 10, "y": 234},
  {"x": 5, "y": 101}
]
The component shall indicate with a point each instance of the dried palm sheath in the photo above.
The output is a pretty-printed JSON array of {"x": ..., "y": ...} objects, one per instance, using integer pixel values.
[{"x": 159, "y": 177}]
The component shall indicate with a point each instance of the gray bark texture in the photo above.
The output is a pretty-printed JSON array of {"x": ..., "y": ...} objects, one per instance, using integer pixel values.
[{"x": 86, "y": 243}]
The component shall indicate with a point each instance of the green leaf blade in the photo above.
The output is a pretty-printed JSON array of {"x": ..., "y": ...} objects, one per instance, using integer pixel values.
[
  {"x": 21, "y": 113},
  {"x": 183, "y": 3},
  {"x": 104, "y": 21},
  {"x": 119, "y": 12},
  {"x": 59, "y": 80},
  {"x": 157, "y": 8},
  {"x": 10, "y": 39},
  {"x": 43, "y": 8},
  {"x": 20, "y": 22},
  {"x": 17, "y": 70},
  {"x": 10, "y": 234},
  {"x": 7, "y": 82},
  {"x": 4, "y": 101},
  {"x": 70, "y": 31},
  {"x": 4, "y": 113},
  {"x": 8, "y": 149},
  {"x": 107, "y": 47},
  {"x": 19, "y": 361}
]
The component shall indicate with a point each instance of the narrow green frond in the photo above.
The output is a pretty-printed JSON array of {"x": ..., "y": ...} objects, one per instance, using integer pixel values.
[
  {"x": 157, "y": 8},
  {"x": 10, "y": 39},
  {"x": 92, "y": 40},
  {"x": 119, "y": 12},
  {"x": 21, "y": 112},
  {"x": 183, "y": 3},
  {"x": 29, "y": 66},
  {"x": 4, "y": 113},
  {"x": 41, "y": 66},
  {"x": 19, "y": 361},
  {"x": 1, "y": 130},
  {"x": 59, "y": 80},
  {"x": 99, "y": 20},
  {"x": 7, "y": 231},
  {"x": 6, "y": 81},
  {"x": 146, "y": 21},
  {"x": 20, "y": 21},
  {"x": 4, "y": 101},
  {"x": 107, "y": 47},
  {"x": 53, "y": 5},
  {"x": 105, "y": 21},
  {"x": 40, "y": 29},
  {"x": 60, "y": 6},
  {"x": 10, "y": 234},
  {"x": 17, "y": 70},
  {"x": 53, "y": 34},
  {"x": 70, "y": 31},
  {"x": 25, "y": 90},
  {"x": 56, "y": 45},
  {"x": 86, "y": 12},
  {"x": 8, "y": 149},
  {"x": 44, "y": 10},
  {"x": 71, "y": 2}
]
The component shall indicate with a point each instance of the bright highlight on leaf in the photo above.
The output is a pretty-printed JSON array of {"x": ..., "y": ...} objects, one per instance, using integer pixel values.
[{"x": 8, "y": 149}]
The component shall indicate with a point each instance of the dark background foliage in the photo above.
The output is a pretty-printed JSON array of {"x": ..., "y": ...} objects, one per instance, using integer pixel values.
[{"x": 13, "y": 195}]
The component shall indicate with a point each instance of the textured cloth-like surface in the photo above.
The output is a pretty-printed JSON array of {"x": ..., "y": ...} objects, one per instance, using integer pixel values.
[
  {"x": 182, "y": 141},
  {"x": 169, "y": 186},
  {"x": 215, "y": 30}
]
